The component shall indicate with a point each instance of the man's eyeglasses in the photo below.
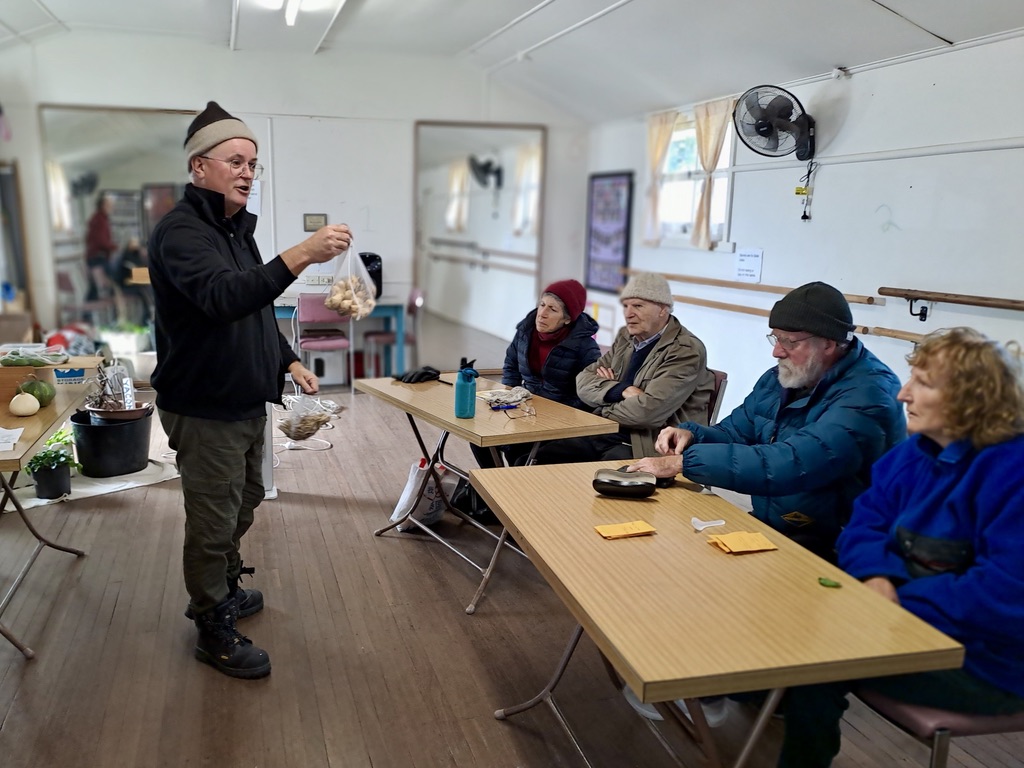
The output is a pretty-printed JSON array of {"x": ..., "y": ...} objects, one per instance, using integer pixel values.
[
  {"x": 787, "y": 344},
  {"x": 238, "y": 167}
]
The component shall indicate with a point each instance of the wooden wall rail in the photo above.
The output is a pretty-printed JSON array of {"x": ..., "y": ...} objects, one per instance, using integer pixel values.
[
  {"x": 474, "y": 246},
  {"x": 953, "y": 298},
  {"x": 474, "y": 261},
  {"x": 861, "y": 329},
  {"x": 853, "y": 298}
]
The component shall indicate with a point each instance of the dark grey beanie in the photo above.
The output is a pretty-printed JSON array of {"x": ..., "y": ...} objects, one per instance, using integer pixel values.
[{"x": 816, "y": 308}]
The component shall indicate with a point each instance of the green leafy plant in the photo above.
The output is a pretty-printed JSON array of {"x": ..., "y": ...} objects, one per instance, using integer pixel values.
[
  {"x": 63, "y": 436},
  {"x": 51, "y": 458}
]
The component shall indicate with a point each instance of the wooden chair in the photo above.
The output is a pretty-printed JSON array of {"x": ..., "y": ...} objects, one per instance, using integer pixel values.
[
  {"x": 935, "y": 727},
  {"x": 715, "y": 403},
  {"x": 310, "y": 311},
  {"x": 387, "y": 339}
]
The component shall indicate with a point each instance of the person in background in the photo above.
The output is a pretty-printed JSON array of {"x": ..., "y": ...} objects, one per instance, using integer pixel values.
[
  {"x": 220, "y": 359},
  {"x": 940, "y": 532},
  {"x": 133, "y": 256},
  {"x": 100, "y": 248},
  {"x": 553, "y": 343},
  {"x": 654, "y": 374},
  {"x": 803, "y": 441}
]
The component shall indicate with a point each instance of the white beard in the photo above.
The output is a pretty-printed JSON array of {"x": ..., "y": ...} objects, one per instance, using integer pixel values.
[{"x": 792, "y": 376}]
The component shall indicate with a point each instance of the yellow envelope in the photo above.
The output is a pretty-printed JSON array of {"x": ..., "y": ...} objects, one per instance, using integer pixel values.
[
  {"x": 625, "y": 530},
  {"x": 741, "y": 541}
]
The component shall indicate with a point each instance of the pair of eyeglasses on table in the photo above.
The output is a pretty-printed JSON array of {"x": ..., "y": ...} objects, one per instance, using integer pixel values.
[{"x": 515, "y": 411}]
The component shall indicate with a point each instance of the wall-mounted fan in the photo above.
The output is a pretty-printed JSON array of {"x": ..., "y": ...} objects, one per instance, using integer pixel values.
[
  {"x": 485, "y": 170},
  {"x": 772, "y": 122}
]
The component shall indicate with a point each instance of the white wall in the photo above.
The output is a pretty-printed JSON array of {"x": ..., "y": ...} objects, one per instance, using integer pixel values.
[
  {"x": 336, "y": 131},
  {"x": 897, "y": 201}
]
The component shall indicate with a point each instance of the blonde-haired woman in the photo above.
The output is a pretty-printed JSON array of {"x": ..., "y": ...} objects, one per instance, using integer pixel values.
[{"x": 940, "y": 532}]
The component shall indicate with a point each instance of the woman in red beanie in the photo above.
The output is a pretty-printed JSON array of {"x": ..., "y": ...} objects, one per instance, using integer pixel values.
[{"x": 553, "y": 343}]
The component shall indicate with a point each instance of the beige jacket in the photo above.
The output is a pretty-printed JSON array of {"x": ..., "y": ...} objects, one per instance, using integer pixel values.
[{"x": 675, "y": 379}]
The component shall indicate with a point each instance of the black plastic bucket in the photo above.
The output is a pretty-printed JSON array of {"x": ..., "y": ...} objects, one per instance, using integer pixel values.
[{"x": 109, "y": 448}]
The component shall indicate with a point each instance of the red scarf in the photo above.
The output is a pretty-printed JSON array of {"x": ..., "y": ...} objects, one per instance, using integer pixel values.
[{"x": 541, "y": 345}]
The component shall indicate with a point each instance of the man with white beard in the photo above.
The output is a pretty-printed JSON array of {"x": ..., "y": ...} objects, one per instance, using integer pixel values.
[{"x": 803, "y": 441}]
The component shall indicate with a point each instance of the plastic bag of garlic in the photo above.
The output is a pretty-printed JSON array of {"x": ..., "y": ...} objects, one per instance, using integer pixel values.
[{"x": 353, "y": 292}]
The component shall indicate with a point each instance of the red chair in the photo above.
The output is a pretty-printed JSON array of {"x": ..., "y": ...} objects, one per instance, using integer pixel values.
[
  {"x": 387, "y": 339},
  {"x": 935, "y": 727},
  {"x": 318, "y": 329}
]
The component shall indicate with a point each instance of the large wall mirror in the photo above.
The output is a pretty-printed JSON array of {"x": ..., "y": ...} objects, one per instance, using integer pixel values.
[
  {"x": 479, "y": 198},
  {"x": 134, "y": 159}
]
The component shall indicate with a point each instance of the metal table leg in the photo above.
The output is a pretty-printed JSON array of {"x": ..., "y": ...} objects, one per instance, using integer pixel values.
[{"x": 41, "y": 541}]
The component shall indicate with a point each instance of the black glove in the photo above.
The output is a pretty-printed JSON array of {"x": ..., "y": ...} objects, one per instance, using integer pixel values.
[{"x": 426, "y": 373}]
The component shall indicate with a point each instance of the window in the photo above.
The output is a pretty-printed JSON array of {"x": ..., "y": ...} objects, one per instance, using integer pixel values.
[
  {"x": 527, "y": 191},
  {"x": 456, "y": 214},
  {"x": 681, "y": 186}
]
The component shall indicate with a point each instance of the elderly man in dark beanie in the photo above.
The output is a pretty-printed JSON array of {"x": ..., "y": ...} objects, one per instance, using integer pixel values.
[
  {"x": 220, "y": 359},
  {"x": 803, "y": 442},
  {"x": 654, "y": 374}
]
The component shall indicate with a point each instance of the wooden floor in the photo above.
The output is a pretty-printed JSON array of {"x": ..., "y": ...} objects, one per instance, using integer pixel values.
[{"x": 375, "y": 662}]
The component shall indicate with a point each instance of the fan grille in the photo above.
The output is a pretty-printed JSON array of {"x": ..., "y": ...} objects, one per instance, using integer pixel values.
[{"x": 765, "y": 120}]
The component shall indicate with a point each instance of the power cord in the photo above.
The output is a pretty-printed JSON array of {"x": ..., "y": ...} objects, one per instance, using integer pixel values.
[{"x": 807, "y": 185}]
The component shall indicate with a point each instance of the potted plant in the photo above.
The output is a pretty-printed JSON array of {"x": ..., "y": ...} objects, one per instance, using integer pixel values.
[{"x": 51, "y": 470}]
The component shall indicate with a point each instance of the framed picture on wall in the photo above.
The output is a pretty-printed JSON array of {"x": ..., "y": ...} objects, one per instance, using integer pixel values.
[{"x": 609, "y": 210}]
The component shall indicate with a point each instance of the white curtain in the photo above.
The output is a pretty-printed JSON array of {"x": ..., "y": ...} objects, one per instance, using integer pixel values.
[
  {"x": 712, "y": 119},
  {"x": 456, "y": 215},
  {"x": 527, "y": 191},
  {"x": 60, "y": 197},
  {"x": 659, "y": 137}
]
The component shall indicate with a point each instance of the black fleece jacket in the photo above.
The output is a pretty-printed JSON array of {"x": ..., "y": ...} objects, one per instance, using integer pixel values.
[{"x": 220, "y": 354}]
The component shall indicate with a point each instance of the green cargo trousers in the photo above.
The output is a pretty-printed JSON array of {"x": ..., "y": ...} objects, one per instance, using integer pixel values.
[{"x": 221, "y": 466}]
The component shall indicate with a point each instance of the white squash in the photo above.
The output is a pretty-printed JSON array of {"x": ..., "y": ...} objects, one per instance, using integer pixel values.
[{"x": 24, "y": 404}]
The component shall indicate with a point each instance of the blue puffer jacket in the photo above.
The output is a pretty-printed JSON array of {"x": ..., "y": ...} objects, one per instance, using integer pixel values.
[
  {"x": 804, "y": 461},
  {"x": 557, "y": 380}
]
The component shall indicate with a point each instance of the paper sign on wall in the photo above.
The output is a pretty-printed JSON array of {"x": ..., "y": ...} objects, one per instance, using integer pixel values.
[
  {"x": 254, "y": 203},
  {"x": 748, "y": 265}
]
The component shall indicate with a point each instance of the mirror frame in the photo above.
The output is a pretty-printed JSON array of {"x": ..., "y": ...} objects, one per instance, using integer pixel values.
[{"x": 482, "y": 125}]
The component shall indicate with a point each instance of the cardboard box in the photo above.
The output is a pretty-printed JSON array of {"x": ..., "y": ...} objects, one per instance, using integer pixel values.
[{"x": 12, "y": 376}]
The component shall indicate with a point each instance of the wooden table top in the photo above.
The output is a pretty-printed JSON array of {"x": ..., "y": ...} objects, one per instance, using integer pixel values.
[
  {"x": 434, "y": 403},
  {"x": 37, "y": 428},
  {"x": 678, "y": 617}
]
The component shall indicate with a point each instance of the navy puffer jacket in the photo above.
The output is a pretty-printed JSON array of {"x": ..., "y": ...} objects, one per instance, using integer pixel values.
[
  {"x": 557, "y": 380},
  {"x": 806, "y": 460}
]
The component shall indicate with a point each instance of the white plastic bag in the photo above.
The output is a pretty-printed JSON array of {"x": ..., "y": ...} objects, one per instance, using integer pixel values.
[
  {"x": 353, "y": 293},
  {"x": 431, "y": 505}
]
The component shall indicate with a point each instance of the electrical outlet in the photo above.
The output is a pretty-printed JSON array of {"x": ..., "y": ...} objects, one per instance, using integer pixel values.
[
  {"x": 311, "y": 279},
  {"x": 325, "y": 280}
]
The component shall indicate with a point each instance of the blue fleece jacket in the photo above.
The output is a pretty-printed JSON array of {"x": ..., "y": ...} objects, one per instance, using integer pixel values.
[{"x": 952, "y": 494}]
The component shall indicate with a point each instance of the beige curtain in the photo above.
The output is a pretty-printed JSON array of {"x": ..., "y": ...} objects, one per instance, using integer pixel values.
[
  {"x": 456, "y": 215},
  {"x": 527, "y": 187},
  {"x": 712, "y": 119},
  {"x": 659, "y": 137}
]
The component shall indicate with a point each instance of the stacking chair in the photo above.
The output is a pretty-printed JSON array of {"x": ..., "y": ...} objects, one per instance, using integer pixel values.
[
  {"x": 387, "y": 339},
  {"x": 715, "y": 403},
  {"x": 935, "y": 727},
  {"x": 314, "y": 335}
]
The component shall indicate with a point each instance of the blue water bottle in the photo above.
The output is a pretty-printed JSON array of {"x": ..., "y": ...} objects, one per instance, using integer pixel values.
[{"x": 465, "y": 393}]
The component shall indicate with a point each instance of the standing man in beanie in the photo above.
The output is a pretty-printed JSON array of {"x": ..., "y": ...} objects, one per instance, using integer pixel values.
[
  {"x": 803, "y": 442},
  {"x": 655, "y": 374},
  {"x": 553, "y": 343},
  {"x": 220, "y": 359}
]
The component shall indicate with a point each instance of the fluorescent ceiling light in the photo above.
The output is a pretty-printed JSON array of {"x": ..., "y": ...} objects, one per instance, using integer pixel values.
[{"x": 291, "y": 10}]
